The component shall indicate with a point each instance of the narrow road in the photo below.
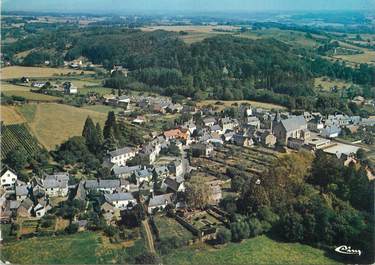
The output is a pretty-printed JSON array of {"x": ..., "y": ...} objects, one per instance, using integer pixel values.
[{"x": 150, "y": 239}]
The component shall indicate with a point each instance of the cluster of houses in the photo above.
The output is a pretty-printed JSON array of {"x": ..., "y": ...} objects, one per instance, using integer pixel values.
[
  {"x": 158, "y": 105},
  {"x": 156, "y": 182},
  {"x": 67, "y": 87}
]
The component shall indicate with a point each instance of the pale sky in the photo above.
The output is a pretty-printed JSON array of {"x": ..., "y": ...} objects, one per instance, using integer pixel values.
[{"x": 184, "y": 5}]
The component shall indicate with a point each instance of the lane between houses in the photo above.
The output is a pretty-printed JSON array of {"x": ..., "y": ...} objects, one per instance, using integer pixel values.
[{"x": 150, "y": 239}]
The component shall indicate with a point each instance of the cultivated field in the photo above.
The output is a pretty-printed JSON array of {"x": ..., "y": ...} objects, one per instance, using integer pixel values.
[
  {"x": 229, "y": 103},
  {"x": 54, "y": 123},
  {"x": 259, "y": 250},
  {"x": 169, "y": 227},
  {"x": 10, "y": 115},
  {"x": 20, "y": 71}
]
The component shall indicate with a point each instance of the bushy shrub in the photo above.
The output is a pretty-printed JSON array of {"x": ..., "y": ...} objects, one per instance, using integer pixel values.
[{"x": 223, "y": 236}]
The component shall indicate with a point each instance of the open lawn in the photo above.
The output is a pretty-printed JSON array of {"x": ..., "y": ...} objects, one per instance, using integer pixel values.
[
  {"x": 225, "y": 104},
  {"x": 326, "y": 83},
  {"x": 259, "y": 250},
  {"x": 10, "y": 115},
  {"x": 27, "y": 111},
  {"x": 20, "y": 71},
  {"x": 169, "y": 227},
  {"x": 54, "y": 123},
  {"x": 81, "y": 248},
  {"x": 99, "y": 90}
]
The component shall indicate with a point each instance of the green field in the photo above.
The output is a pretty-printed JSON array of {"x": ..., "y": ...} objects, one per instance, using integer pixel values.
[
  {"x": 259, "y": 250},
  {"x": 81, "y": 248},
  {"x": 99, "y": 90}
]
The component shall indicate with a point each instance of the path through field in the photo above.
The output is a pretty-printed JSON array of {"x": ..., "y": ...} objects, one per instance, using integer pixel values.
[{"x": 150, "y": 240}]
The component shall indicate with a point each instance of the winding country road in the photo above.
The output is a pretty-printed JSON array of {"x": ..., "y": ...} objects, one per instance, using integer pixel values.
[{"x": 150, "y": 239}]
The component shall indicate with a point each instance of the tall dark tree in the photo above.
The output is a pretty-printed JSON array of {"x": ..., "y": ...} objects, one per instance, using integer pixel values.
[
  {"x": 110, "y": 127},
  {"x": 99, "y": 132},
  {"x": 91, "y": 136}
]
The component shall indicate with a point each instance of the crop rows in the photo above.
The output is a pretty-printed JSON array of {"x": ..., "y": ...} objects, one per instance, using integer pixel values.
[{"x": 17, "y": 136}]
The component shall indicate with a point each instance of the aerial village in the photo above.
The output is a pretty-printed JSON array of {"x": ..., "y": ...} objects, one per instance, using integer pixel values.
[{"x": 198, "y": 148}]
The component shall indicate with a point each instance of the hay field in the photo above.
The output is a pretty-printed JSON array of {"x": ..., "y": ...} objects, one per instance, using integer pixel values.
[
  {"x": 4, "y": 86},
  {"x": 55, "y": 123},
  {"x": 229, "y": 103},
  {"x": 20, "y": 71},
  {"x": 24, "y": 91},
  {"x": 9, "y": 115},
  {"x": 31, "y": 96},
  {"x": 366, "y": 57}
]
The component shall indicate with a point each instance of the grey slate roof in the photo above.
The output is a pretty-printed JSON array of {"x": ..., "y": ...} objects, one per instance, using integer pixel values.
[
  {"x": 121, "y": 151},
  {"x": 22, "y": 190},
  {"x": 215, "y": 127},
  {"x": 118, "y": 197},
  {"x": 294, "y": 123},
  {"x": 172, "y": 184},
  {"x": 160, "y": 200},
  {"x": 124, "y": 170},
  {"x": 56, "y": 180},
  {"x": 102, "y": 184},
  {"x": 209, "y": 120},
  {"x": 143, "y": 173},
  {"x": 14, "y": 205}
]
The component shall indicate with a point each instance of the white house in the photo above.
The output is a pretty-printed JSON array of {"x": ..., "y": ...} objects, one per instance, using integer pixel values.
[
  {"x": 159, "y": 202},
  {"x": 56, "y": 185},
  {"x": 120, "y": 200},
  {"x": 69, "y": 88},
  {"x": 8, "y": 179},
  {"x": 120, "y": 156},
  {"x": 331, "y": 132},
  {"x": 41, "y": 208}
]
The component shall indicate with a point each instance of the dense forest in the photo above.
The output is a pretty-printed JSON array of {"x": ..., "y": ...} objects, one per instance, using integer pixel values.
[{"x": 221, "y": 67}]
